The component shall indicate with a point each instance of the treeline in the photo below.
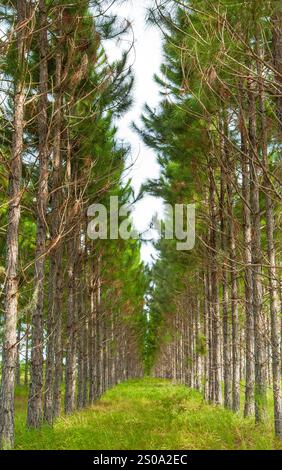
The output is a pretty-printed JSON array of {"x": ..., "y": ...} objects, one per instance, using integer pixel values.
[
  {"x": 216, "y": 310},
  {"x": 71, "y": 308}
]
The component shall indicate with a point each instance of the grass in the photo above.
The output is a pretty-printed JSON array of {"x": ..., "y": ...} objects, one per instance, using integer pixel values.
[{"x": 146, "y": 414}]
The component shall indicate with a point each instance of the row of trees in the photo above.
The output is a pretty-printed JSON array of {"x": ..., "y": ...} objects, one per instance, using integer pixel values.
[
  {"x": 71, "y": 308},
  {"x": 217, "y": 132}
]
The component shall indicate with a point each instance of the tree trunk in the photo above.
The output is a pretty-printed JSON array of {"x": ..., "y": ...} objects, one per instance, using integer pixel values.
[
  {"x": 92, "y": 340},
  {"x": 11, "y": 285},
  {"x": 249, "y": 406},
  {"x": 273, "y": 281},
  {"x": 225, "y": 300},
  {"x": 234, "y": 295},
  {"x": 217, "y": 396},
  {"x": 34, "y": 416},
  {"x": 26, "y": 354},
  {"x": 56, "y": 303},
  {"x": 18, "y": 373},
  {"x": 71, "y": 328},
  {"x": 259, "y": 320},
  {"x": 206, "y": 333}
]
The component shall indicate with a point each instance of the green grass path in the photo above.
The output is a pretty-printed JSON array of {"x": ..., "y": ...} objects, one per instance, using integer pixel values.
[{"x": 146, "y": 414}]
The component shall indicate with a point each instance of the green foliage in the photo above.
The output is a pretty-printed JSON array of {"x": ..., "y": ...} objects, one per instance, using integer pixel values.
[
  {"x": 207, "y": 50},
  {"x": 201, "y": 347}
]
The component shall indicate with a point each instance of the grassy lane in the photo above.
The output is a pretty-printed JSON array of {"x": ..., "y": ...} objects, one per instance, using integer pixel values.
[{"x": 146, "y": 414}]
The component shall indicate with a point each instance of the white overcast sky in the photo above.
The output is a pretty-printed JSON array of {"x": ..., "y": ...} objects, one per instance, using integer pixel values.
[{"x": 146, "y": 58}]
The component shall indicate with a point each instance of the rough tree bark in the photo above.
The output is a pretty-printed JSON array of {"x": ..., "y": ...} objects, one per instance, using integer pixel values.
[
  {"x": 249, "y": 406},
  {"x": 18, "y": 370},
  {"x": 234, "y": 290},
  {"x": 227, "y": 371},
  {"x": 56, "y": 233},
  {"x": 273, "y": 280},
  {"x": 92, "y": 339},
  {"x": 217, "y": 395},
  {"x": 206, "y": 333},
  {"x": 259, "y": 320},
  {"x": 34, "y": 416},
  {"x": 11, "y": 284},
  {"x": 71, "y": 349}
]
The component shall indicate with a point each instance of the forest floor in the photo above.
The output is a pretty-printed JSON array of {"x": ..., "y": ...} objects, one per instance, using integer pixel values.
[{"x": 146, "y": 414}]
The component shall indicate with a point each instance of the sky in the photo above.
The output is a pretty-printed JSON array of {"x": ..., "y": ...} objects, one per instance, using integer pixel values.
[{"x": 146, "y": 58}]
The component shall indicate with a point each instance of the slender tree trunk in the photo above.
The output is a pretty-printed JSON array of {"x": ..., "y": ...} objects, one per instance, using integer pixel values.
[
  {"x": 11, "y": 284},
  {"x": 273, "y": 281},
  {"x": 80, "y": 362},
  {"x": 71, "y": 328},
  {"x": 227, "y": 370},
  {"x": 214, "y": 295},
  {"x": 82, "y": 345},
  {"x": 85, "y": 376},
  {"x": 113, "y": 352},
  {"x": 18, "y": 373},
  {"x": 234, "y": 297},
  {"x": 26, "y": 354},
  {"x": 97, "y": 344},
  {"x": 49, "y": 368},
  {"x": 275, "y": 320},
  {"x": 249, "y": 406},
  {"x": 235, "y": 317},
  {"x": 34, "y": 416},
  {"x": 58, "y": 352},
  {"x": 206, "y": 333},
  {"x": 259, "y": 320},
  {"x": 56, "y": 266},
  {"x": 210, "y": 340},
  {"x": 92, "y": 341},
  {"x": 198, "y": 357}
]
